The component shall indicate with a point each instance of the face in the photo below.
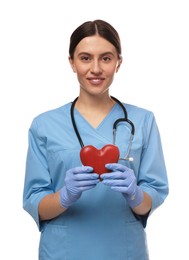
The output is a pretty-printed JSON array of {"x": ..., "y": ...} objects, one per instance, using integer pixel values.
[{"x": 95, "y": 62}]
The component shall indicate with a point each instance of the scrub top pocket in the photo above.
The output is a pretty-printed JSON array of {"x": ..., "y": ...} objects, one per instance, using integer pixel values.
[{"x": 53, "y": 243}]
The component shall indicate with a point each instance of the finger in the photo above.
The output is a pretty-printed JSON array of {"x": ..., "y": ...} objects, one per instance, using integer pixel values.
[
  {"x": 114, "y": 182},
  {"x": 120, "y": 189},
  {"x": 86, "y": 176},
  {"x": 82, "y": 169},
  {"x": 85, "y": 184},
  {"x": 116, "y": 167},
  {"x": 85, "y": 188},
  {"x": 112, "y": 175}
]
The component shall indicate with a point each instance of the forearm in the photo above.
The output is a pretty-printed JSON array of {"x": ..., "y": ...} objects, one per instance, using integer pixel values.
[
  {"x": 50, "y": 207},
  {"x": 145, "y": 206}
]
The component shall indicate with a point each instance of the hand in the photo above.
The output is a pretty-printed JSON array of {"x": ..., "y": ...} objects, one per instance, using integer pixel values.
[
  {"x": 77, "y": 180},
  {"x": 122, "y": 179}
]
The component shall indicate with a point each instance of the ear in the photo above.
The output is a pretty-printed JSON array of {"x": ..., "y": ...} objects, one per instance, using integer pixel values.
[
  {"x": 72, "y": 64},
  {"x": 119, "y": 64}
]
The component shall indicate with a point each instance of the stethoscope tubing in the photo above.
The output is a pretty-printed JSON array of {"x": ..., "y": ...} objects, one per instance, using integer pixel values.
[
  {"x": 74, "y": 123},
  {"x": 124, "y": 119}
]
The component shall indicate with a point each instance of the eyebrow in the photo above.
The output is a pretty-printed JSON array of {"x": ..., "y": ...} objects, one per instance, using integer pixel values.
[{"x": 105, "y": 53}]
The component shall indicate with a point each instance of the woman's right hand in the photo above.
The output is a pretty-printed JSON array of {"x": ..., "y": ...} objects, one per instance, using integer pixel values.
[{"x": 77, "y": 180}]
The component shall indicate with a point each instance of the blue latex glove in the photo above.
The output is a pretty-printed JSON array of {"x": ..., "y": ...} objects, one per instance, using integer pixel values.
[
  {"x": 122, "y": 179},
  {"x": 77, "y": 180}
]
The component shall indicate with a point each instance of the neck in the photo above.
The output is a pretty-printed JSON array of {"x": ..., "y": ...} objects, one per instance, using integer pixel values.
[
  {"x": 94, "y": 109},
  {"x": 94, "y": 103}
]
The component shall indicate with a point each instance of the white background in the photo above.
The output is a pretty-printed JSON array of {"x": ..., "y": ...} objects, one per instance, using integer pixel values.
[{"x": 35, "y": 76}]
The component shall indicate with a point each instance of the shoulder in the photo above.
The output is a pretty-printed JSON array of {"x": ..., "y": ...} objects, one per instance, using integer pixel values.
[
  {"x": 133, "y": 107},
  {"x": 137, "y": 111},
  {"x": 51, "y": 118},
  {"x": 141, "y": 117},
  {"x": 53, "y": 113}
]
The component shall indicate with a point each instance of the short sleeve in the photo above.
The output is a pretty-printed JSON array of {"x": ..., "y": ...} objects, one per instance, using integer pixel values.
[
  {"x": 37, "y": 178},
  {"x": 152, "y": 176}
]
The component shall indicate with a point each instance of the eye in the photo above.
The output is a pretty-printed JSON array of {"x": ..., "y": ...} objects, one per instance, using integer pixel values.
[
  {"x": 85, "y": 58},
  {"x": 106, "y": 58}
]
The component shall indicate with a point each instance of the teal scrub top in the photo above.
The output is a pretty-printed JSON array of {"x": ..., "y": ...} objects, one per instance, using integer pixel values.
[{"x": 100, "y": 225}]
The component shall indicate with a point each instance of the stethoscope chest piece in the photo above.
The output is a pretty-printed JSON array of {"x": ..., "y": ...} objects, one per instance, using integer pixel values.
[{"x": 98, "y": 158}]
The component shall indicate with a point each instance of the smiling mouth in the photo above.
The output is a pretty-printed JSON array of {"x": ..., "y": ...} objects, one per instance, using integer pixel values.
[{"x": 96, "y": 81}]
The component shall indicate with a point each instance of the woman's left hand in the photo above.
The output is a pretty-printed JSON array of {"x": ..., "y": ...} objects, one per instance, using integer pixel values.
[{"x": 122, "y": 179}]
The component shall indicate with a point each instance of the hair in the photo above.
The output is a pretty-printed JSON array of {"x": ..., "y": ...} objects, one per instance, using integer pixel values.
[{"x": 91, "y": 28}]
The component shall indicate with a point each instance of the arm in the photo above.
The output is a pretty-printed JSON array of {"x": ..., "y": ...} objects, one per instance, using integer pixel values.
[
  {"x": 122, "y": 179},
  {"x": 77, "y": 180},
  {"x": 40, "y": 199},
  {"x": 148, "y": 176},
  {"x": 50, "y": 206},
  {"x": 145, "y": 206}
]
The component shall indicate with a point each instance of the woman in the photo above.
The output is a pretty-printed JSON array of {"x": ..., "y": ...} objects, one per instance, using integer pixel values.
[{"x": 82, "y": 213}]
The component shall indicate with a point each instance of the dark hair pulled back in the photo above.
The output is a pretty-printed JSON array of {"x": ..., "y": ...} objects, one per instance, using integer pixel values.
[{"x": 96, "y": 27}]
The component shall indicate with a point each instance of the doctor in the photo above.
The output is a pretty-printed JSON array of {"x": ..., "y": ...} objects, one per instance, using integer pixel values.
[{"x": 79, "y": 216}]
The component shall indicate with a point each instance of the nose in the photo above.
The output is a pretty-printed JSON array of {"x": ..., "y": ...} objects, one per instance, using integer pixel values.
[{"x": 95, "y": 67}]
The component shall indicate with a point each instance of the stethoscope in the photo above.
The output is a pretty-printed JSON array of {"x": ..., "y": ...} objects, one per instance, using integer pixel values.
[{"x": 124, "y": 119}]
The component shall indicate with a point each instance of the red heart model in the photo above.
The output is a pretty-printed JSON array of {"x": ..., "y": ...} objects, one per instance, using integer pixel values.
[{"x": 91, "y": 156}]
